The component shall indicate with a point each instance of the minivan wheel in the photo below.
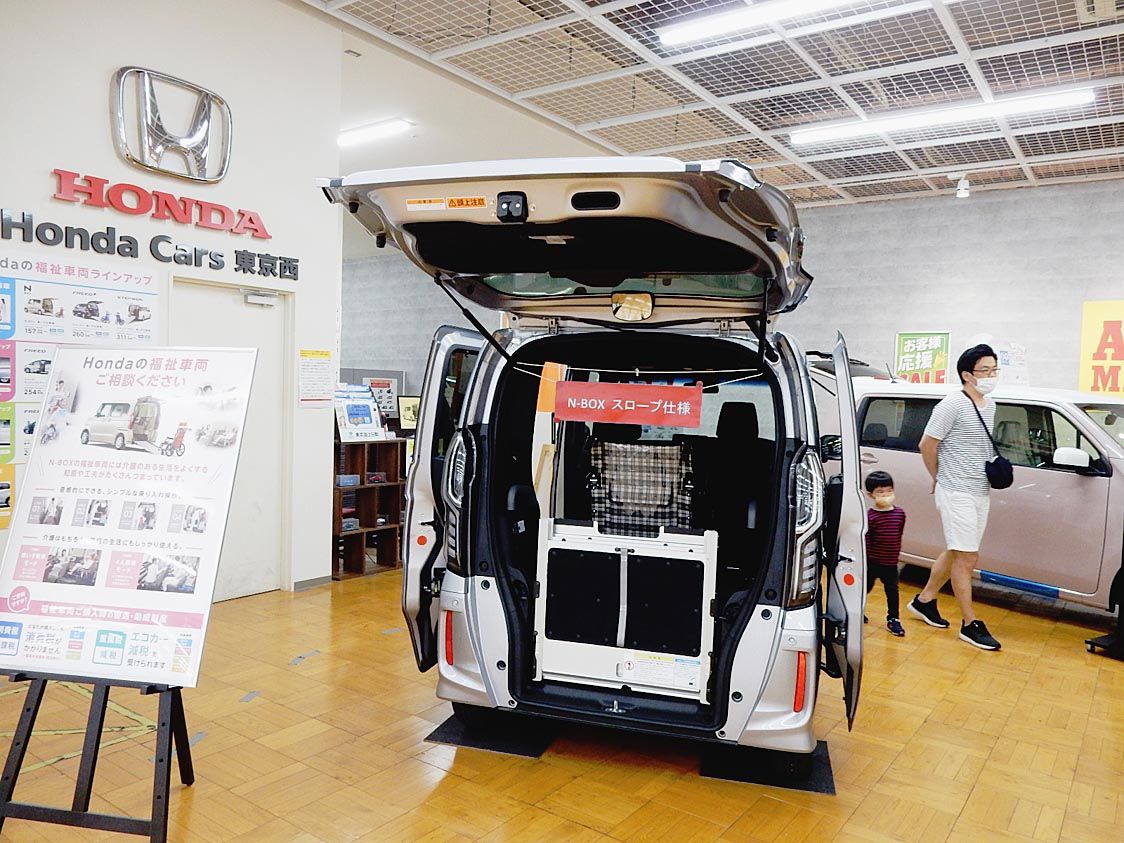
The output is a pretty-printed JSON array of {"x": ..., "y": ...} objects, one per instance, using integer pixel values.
[
  {"x": 119, "y": 441},
  {"x": 474, "y": 717},
  {"x": 85, "y": 437}
]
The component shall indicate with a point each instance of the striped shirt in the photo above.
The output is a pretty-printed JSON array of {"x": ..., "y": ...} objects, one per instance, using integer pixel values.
[
  {"x": 884, "y": 528},
  {"x": 965, "y": 447}
]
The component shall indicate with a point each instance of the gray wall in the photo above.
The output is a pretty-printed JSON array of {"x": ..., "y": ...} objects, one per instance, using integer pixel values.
[
  {"x": 391, "y": 310},
  {"x": 1000, "y": 266}
]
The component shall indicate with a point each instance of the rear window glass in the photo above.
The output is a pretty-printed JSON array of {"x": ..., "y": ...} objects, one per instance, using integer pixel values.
[
  {"x": 739, "y": 285},
  {"x": 895, "y": 423}
]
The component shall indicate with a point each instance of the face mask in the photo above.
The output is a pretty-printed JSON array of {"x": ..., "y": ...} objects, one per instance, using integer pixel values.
[
  {"x": 885, "y": 500},
  {"x": 986, "y": 385}
]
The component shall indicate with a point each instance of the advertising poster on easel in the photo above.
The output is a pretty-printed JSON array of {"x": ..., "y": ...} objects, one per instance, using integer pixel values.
[{"x": 116, "y": 533}]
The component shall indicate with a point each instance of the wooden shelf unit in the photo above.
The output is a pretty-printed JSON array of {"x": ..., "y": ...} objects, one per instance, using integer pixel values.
[{"x": 369, "y": 502}]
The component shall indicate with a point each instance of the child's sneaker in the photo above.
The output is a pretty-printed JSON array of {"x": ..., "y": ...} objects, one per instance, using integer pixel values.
[
  {"x": 895, "y": 627},
  {"x": 927, "y": 612}
]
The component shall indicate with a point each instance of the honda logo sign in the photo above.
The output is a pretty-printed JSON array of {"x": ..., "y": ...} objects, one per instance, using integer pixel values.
[{"x": 201, "y": 152}]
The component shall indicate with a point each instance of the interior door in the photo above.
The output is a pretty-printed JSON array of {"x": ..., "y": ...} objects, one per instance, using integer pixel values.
[
  {"x": 452, "y": 361},
  {"x": 209, "y": 315},
  {"x": 846, "y": 580}
]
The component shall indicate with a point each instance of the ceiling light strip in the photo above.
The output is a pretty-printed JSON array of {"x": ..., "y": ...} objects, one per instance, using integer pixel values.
[{"x": 943, "y": 117}]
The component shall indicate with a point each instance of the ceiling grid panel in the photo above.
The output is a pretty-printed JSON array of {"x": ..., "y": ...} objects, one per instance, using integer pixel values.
[{"x": 600, "y": 69}]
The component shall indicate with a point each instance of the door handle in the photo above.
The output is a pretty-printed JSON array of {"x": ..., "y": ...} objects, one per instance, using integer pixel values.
[{"x": 868, "y": 459}]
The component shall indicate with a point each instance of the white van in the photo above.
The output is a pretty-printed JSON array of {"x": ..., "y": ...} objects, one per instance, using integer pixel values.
[{"x": 667, "y": 578}]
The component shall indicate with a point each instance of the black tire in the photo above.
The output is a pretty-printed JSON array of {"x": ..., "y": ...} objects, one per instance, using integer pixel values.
[
  {"x": 474, "y": 716},
  {"x": 119, "y": 441},
  {"x": 85, "y": 437}
]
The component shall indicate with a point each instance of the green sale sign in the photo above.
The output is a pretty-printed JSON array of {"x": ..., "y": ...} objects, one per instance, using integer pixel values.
[{"x": 922, "y": 357}]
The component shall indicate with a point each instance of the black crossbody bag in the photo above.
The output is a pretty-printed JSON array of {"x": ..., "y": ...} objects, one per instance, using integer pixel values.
[{"x": 1000, "y": 474}]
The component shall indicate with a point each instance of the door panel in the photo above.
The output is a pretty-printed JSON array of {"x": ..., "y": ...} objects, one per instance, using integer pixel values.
[
  {"x": 846, "y": 579},
  {"x": 452, "y": 361},
  {"x": 892, "y": 427},
  {"x": 1048, "y": 527},
  {"x": 208, "y": 315}
]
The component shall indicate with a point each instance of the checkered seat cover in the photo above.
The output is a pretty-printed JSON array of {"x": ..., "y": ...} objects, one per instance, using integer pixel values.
[{"x": 638, "y": 488}]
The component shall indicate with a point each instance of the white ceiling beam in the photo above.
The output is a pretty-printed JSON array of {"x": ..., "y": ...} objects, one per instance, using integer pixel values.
[
  {"x": 542, "y": 90},
  {"x": 670, "y": 111},
  {"x": 503, "y": 37}
]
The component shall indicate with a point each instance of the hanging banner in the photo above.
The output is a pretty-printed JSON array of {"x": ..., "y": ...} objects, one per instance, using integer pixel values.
[
  {"x": 1102, "y": 347},
  {"x": 922, "y": 356},
  {"x": 629, "y": 403},
  {"x": 115, "y": 538}
]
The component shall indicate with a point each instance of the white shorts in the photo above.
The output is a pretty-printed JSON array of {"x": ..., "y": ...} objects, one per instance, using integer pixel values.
[{"x": 963, "y": 517}]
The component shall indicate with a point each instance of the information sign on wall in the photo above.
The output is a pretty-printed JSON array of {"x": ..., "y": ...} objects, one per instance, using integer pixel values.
[
  {"x": 922, "y": 356},
  {"x": 1102, "y": 347},
  {"x": 116, "y": 534}
]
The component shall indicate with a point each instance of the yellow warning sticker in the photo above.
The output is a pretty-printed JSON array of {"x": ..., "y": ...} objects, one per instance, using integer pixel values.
[
  {"x": 467, "y": 202},
  {"x": 425, "y": 204}
]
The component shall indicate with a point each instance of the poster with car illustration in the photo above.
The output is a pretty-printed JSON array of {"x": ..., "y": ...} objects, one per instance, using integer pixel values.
[
  {"x": 85, "y": 304},
  {"x": 119, "y": 525}
]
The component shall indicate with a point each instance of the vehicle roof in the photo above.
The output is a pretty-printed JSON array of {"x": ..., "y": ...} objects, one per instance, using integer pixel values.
[{"x": 867, "y": 386}]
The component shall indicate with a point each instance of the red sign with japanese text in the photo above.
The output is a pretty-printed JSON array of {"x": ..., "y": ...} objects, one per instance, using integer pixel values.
[{"x": 629, "y": 403}]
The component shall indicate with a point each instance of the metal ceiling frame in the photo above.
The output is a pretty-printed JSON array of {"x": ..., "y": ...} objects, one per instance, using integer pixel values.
[{"x": 962, "y": 56}]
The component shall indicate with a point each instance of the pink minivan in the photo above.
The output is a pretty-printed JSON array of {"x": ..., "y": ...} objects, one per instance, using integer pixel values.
[{"x": 1058, "y": 531}]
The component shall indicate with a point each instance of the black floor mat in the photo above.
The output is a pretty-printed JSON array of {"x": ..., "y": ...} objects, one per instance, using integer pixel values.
[
  {"x": 507, "y": 733},
  {"x": 777, "y": 769}
]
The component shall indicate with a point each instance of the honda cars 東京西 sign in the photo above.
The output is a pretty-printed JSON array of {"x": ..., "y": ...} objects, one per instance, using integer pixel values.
[{"x": 170, "y": 126}]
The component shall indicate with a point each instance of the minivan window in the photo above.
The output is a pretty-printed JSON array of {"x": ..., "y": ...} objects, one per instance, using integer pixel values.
[
  {"x": 1110, "y": 417},
  {"x": 455, "y": 380},
  {"x": 896, "y": 424},
  {"x": 1028, "y": 435}
]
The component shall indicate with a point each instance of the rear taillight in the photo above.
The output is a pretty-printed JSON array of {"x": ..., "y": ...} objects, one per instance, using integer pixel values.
[
  {"x": 801, "y": 681},
  {"x": 808, "y": 498},
  {"x": 448, "y": 638}
]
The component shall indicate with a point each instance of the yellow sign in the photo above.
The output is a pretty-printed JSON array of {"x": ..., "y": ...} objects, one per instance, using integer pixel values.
[
  {"x": 1102, "y": 347},
  {"x": 467, "y": 202}
]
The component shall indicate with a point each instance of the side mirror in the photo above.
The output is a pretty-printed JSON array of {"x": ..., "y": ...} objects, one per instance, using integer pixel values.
[
  {"x": 831, "y": 447},
  {"x": 1072, "y": 458}
]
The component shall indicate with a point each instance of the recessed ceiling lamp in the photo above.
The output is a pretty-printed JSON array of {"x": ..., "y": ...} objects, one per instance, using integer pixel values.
[
  {"x": 943, "y": 117},
  {"x": 727, "y": 23},
  {"x": 375, "y": 131}
]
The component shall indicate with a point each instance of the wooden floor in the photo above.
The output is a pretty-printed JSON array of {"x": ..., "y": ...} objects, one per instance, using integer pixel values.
[{"x": 310, "y": 719}]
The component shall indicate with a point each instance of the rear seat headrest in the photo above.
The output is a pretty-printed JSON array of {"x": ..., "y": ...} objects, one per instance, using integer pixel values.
[
  {"x": 619, "y": 433},
  {"x": 738, "y": 420}
]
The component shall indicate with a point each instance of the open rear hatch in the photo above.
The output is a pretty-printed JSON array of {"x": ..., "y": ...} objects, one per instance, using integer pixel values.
[{"x": 567, "y": 237}]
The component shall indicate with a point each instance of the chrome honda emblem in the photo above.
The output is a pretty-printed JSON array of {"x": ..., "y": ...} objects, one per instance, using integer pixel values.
[{"x": 201, "y": 153}]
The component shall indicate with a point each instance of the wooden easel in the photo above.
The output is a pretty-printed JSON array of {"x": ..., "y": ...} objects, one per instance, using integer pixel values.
[{"x": 171, "y": 726}]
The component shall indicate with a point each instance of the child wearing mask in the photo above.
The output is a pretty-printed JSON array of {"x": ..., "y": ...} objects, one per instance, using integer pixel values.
[{"x": 885, "y": 525}]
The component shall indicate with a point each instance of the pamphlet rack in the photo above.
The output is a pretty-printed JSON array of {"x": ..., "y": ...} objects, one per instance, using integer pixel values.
[{"x": 171, "y": 727}]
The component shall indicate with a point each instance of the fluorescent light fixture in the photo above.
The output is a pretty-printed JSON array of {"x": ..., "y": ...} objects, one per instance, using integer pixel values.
[
  {"x": 759, "y": 14},
  {"x": 943, "y": 117},
  {"x": 375, "y": 131}
]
